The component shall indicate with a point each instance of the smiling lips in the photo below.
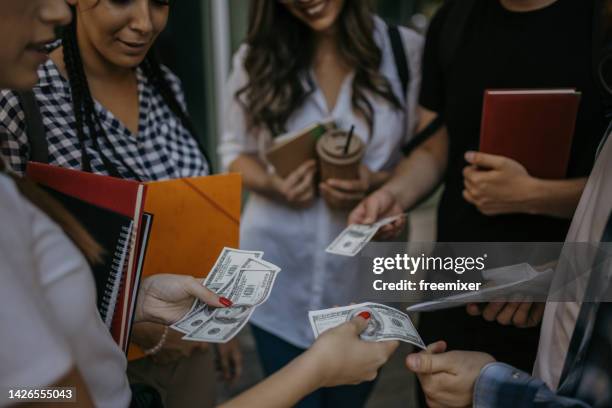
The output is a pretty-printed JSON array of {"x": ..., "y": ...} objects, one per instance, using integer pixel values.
[
  {"x": 314, "y": 9},
  {"x": 136, "y": 46}
]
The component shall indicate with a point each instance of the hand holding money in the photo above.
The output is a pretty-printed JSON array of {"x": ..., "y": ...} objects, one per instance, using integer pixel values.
[
  {"x": 245, "y": 280},
  {"x": 164, "y": 298},
  {"x": 344, "y": 358},
  {"x": 354, "y": 237},
  {"x": 385, "y": 323},
  {"x": 379, "y": 204}
]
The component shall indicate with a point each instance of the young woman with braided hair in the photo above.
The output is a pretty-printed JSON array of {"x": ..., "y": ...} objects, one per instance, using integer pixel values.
[{"x": 109, "y": 107}]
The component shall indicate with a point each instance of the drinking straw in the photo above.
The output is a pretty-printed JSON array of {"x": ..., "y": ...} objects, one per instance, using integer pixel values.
[{"x": 348, "y": 140}]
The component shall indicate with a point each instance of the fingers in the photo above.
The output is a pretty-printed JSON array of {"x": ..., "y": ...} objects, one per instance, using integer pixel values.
[
  {"x": 485, "y": 160},
  {"x": 300, "y": 173},
  {"x": 349, "y": 186},
  {"x": 430, "y": 361},
  {"x": 194, "y": 288},
  {"x": 360, "y": 322},
  {"x": 340, "y": 195},
  {"x": 437, "y": 347},
  {"x": 357, "y": 216},
  {"x": 473, "y": 309},
  {"x": 304, "y": 185},
  {"x": 536, "y": 314},
  {"x": 492, "y": 310},
  {"x": 507, "y": 313}
]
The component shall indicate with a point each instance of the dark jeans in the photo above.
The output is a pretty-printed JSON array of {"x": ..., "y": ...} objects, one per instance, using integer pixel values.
[{"x": 275, "y": 353}]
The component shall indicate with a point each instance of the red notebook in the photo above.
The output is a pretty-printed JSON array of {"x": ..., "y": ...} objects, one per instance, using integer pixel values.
[
  {"x": 124, "y": 197},
  {"x": 533, "y": 127}
]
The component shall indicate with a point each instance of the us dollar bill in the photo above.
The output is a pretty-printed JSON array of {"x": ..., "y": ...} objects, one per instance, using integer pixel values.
[
  {"x": 356, "y": 236},
  {"x": 219, "y": 280},
  {"x": 223, "y": 325},
  {"x": 252, "y": 287},
  {"x": 227, "y": 266},
  {"x": 385, "y": 323}
]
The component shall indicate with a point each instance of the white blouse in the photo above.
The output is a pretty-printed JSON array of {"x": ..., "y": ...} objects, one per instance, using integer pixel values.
[
  {"x": 296, "y": 239},
  {"x": 48, "y": 312}
]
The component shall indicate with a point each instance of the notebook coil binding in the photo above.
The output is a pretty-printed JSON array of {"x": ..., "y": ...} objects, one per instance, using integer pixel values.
[{"x": 113, "y": 285}]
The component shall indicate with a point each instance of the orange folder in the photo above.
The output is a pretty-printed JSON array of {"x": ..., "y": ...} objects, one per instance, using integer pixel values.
[{"x": 193, "y": 219}]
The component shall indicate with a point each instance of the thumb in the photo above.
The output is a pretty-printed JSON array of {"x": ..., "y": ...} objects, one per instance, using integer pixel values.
[
  {"x": 484, "y": 160},
  {"x": 431, "y": 361},
  {"x": 195, "y": 289},
  {"x": 371, "y": 209},
  {"x": 357, "y": 215},
  {"x": 360, "y": 322}
]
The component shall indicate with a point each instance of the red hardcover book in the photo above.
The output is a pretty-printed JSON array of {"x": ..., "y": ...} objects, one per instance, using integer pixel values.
[
  {"x": 533, "y": 127},
  {"x": 124, "y": 197}
]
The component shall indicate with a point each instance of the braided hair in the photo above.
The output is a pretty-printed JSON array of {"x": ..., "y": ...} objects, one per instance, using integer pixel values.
[{"x": 84, "y": 106}]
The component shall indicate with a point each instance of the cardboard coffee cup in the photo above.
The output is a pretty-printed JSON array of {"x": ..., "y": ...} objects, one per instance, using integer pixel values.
[{"x": 333, "y": 161}]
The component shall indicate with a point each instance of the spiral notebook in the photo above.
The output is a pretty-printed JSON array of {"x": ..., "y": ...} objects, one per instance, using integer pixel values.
[{"x": 113, "y": 232}]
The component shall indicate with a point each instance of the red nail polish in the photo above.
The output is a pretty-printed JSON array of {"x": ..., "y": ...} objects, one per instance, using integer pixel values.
[
  {"x": 225, "y": 302},
  {"x": 365, "y": 315}
]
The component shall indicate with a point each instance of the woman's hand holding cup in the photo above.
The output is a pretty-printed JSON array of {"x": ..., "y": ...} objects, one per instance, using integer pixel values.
[{"x": 346, "y": 194}]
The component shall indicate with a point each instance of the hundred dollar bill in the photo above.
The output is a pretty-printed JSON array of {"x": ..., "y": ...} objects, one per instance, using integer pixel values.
[
  {"x": 222, "y": 325},
  {"x": 354, "y": 237},
  {"x": 250, "y": 287},
  {"x": 219, "y": 280},
  {"x": 227, "y": 265},
  {"x": 385, "y": 323}
]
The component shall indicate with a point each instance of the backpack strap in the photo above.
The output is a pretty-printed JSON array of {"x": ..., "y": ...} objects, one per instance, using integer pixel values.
[
  {"x": 35, "y": 130},
  {"x": 400, "y": 57}
]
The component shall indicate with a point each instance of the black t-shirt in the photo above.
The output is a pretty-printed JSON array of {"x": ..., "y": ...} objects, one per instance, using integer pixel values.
[{"x": 500, "y": 49}]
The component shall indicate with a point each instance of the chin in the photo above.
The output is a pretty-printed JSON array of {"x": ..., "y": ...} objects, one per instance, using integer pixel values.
[
  {"x": 128, "y": 61},
  {"x": 22, "y": 80}
]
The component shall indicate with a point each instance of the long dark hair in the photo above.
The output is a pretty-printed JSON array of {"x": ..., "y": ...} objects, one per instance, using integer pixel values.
[
  {"x": 281, "y": 49},
  {"x": 84, "y": 107}
]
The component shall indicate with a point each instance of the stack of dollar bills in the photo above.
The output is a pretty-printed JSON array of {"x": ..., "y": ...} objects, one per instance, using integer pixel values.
[
  {"x": 385, "y": 323},
  {"x": 242, "y": 277}
]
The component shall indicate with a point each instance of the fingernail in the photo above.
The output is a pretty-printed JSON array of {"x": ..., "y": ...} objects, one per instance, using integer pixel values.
[
  {"x": 469, "y": 156},
  {"x": 225, "y": 301},
  {"x": 365, "y": 315},
  {"x": 414, "y": 361}
]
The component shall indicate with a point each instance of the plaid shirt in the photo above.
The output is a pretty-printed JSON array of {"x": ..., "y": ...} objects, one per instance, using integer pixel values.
[
  {"x": 587, "y": 376},
  {"x": 162, "y": 149}
]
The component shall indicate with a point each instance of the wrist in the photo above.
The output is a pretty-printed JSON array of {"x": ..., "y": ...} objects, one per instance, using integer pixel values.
[
  {"x": 534, "y": 190},
  {"x": 379, "y": 178},
  {"x": 312, "y": 364},
  {"x": 159, "y": 345}
]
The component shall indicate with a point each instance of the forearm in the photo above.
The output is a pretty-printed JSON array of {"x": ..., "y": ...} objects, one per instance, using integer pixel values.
[
  {"x": 419, "y": 174},
  {"x": 556, "y": 198},
  {"x": 284, "y": 388},
  {"x": 254, "y": 175},
  {"x": 379, "y": 178}
]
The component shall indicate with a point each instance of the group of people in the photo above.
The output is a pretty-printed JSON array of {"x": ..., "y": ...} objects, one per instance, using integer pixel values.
[{"x": 108, "y": 106}]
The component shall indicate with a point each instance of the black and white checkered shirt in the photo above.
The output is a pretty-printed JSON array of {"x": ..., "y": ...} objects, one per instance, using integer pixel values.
[{"x": 163, "y": 148}]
